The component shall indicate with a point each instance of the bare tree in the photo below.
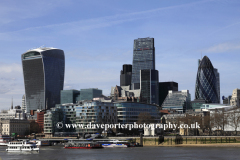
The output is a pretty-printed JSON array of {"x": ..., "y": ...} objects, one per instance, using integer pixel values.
[
  {"x": 234, "y": 119},
  {"x": 145, "y": 117},
  {"x": 219, "y": 119}
]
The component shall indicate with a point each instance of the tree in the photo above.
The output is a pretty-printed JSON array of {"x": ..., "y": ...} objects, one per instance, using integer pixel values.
[
  {"x": 219, "y": 119},
  {"x": 146, "y": 118},
  {"x": 234, "y": 119},
  {"x": 34, "y": 127}
]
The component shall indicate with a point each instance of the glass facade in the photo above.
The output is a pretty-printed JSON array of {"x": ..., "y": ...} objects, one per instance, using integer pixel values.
[
  {"x": 128, "y": 111},
  {"x": 149, "y": 86},
  {"x": 178, "y": 100},
  {"x": 143, "y": 58},
  {"x": 95, "y": 112},
  {"x": 89, "y": 94},
  {"x": 126, "y": 75},
  {"x": 43, "y": 72},
  {"x": 70, "y": 96},
  {"x": 207, "y": 82},
  {"x": 164, "y": 87}
]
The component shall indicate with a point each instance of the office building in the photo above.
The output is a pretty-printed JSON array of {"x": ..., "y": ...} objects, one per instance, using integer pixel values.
[
  {"x": 149, "y": 86},
  {"x": 235, "y": 100},
  {"x": 89, "y": 94},
  {"x": 20, "y": 127},
  {"x": 128, "y": 112},
  {"x": 23, "y": 103},
  {"x": 124, "y": 93},
  {"x": 164, "y": 87},
  {"x": 226, "y": 100},
  {"x": 207, "y": 84},
  {"x": 70, "y": 96},
  {"x": 177, "y": 100},
  {"x": 43, "y": 72},
  {"x": 143, "y": 58},
  {"x": 126, "y": 75}
]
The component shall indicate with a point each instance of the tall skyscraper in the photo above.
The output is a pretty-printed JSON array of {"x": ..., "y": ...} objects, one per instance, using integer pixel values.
[
  {"x": 207, "y": 82},
  {"x": 126, "y": 75},
  {"x": 143, "y": 58},
  {"x": 43, "y": 72},
  {"x": 149, "y": 86},
  {"x": 23, "y": 103}
]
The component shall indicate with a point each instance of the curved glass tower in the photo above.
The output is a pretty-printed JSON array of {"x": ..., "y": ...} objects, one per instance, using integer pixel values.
[
  {"x": 43, "y": 72},
  {"x": 207, "y": 82}
]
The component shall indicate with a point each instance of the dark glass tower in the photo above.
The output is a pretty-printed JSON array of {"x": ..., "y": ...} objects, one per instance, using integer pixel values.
[
  {"x": 149, "y": 86},
  {"x": 43, "y": 72},
  {"x": 164, "y": 87},
  {"x": 126, "y": 75},
  {"x": 143, "y": 58},
  {"x": 207, "y": 82}
]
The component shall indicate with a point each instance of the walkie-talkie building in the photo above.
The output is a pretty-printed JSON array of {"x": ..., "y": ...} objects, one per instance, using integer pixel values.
[
  {"x": 143, "y": 58},
  {"x": 43, "y": 72},
  {"x": 207, "y": 82}
]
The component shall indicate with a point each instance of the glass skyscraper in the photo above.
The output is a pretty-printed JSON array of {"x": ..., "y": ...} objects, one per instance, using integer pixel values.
[
  {"x": 143, "y": 58},
  {"x": 149, "y": 86},
  {"x": 43, "y": 72},
  {"x": 207, "y": 82}
]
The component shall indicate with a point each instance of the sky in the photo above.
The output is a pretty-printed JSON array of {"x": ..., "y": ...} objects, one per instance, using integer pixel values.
[{"x": 97, "y": 39}]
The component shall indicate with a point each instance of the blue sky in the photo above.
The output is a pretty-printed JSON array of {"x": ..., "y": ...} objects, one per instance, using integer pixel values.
[{"x": 97, "y": 38}]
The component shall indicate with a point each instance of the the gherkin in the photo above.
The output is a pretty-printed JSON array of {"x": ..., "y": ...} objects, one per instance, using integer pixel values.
[{"x": 207, "y": 82}]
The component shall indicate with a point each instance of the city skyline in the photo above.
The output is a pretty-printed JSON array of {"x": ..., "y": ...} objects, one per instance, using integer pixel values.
[{"x": 97, "y": 39}]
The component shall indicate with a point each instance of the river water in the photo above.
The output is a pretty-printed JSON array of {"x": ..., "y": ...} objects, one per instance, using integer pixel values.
[{"x": 148, "y": 153}]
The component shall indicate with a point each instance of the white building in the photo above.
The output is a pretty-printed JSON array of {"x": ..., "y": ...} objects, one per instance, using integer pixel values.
[{"x": 235, "y": 100}]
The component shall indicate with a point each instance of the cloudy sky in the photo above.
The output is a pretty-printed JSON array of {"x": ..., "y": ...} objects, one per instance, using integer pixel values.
[{"x": 97, "y": 38}]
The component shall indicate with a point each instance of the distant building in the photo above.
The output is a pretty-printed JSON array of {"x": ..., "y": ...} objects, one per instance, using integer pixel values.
[
  {"x": 164, "y": 87},
  {"x": 43, "y": 72},
  {"x": 23, "y": 103},
  {"x": 226, "y": 100},
  {"x": 207, "y": 82},
  {"x": 235, "y": 100},
  {"x": 143, "y": 58},
  {"x": 70, "y": 96},
  {"x": 101, "y": 113},
  {"x": 128, "y": 112},
  {"x": 178, "y": 100},
  {"x": 197, "y": 103},
  {"x": 19, "y": 126},
  {"x": 40, "y": 120},
  {"x": 149, "y": 86},
  {"x": 126, "y": 75},
  {"x": 124, "y": 93},
  {"x": 89, "y": 94},
  {"x": 13, "y": 114}
]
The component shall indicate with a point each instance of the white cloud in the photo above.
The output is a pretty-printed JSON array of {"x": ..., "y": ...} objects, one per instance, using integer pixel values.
[{"x": 223, "y": 47}]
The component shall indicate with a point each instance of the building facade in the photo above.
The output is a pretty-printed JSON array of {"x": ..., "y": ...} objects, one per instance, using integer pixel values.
[
  {"x": 12, "y": 114},
  {"x": 207, "y": 82},
  {"x": 70, "y": 96},
  {"x": 90, "y": 93},
  {"x": 126, "y": 75},
  {"x": 43, "y": 72},
  {"x": 128, "y": 112},
  {"x": 23, "y": 103},
  {"x": 143, "y": 58},
  {"x": 164, "y": 87},
  {"x": 177, "y": 100},
  {"x": 18, "y": 126},
  {"x": 235, "y": 100},
  {"x": 149, "y": 86}
]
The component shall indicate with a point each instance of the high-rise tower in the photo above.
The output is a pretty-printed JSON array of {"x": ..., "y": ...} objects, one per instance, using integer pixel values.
[
  {"x": 126, "y": 75},
  {"x": 143, "y": 58},
  {"x": 43, "y": 72},
  {"x": 207, "y": 82}
]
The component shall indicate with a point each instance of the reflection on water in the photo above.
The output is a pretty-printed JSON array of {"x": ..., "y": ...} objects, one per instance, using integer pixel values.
[{"x": 189, "y": 153}]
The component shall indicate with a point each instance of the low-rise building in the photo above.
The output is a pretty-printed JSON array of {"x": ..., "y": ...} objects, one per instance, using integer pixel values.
[{"x": 19, "y": 126}]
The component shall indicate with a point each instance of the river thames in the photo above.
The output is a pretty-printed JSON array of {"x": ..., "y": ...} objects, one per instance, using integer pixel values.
[{"x": 149, "y": 153}]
